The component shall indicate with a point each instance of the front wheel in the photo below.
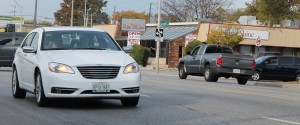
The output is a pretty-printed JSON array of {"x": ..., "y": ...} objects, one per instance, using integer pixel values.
[
  {"x": 41, "y": 100},
  {"x": 130, "y": 102},
  {"x": 16, "y": 90},
  {"x": 242, "y": 80},
  {"x": 182, "y": 73}
]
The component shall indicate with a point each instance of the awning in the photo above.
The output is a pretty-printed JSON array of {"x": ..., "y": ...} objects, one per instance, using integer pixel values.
[{"x": 170, "y": 33}]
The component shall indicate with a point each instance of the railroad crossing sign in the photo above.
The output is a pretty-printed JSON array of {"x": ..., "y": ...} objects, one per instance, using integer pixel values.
[
  {"x": 159, "y": 33},
  {"x": 258, "y": 41}
]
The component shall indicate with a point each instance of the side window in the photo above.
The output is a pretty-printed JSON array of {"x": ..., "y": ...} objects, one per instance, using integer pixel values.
[
  {"x": 272, "y": 61},
  {"x": 20, "y": 38},
  {"x": 286, "y": 61},
  {"x": 195, "y": 51},
  {"x": 211, "y": 49},
  {"x": 35, "y": 41},
  {"x": 28, "y": 40}
]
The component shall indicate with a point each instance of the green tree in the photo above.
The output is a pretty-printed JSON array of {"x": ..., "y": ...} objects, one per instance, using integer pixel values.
[
  {"x": 274, "y": 12},
  {"x": 234, "y": 16},
  {"x": 140, "y": 54},
  {"x": 191, "y": 45},
  {"x": 219, "y": 15},
  {"x": 63, "y": 16},
  {"x": 225, "y": 35}
]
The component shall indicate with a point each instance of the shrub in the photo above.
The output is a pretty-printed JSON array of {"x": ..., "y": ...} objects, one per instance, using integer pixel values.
[
  {"x": 191, "y": 45},
  {"x": 140, "y": 54}
]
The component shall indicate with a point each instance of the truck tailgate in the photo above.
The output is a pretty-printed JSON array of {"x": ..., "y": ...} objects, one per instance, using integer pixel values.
[{"x": 237, "y": 61}]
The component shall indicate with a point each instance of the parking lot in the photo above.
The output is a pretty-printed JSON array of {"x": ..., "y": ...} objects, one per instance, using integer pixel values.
[{"x": 165, "y": 99}]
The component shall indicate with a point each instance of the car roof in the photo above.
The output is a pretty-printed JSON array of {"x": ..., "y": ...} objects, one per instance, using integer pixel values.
[{"x": 68, "y": 28}]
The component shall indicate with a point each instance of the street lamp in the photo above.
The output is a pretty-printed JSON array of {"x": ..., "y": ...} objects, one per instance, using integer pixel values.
[{"x": 83, "y": 18}]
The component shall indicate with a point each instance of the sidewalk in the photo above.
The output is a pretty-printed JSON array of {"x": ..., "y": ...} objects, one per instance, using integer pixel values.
[{"x": 266, "y": 83}]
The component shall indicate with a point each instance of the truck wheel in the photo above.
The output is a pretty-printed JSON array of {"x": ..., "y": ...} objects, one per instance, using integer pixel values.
[
  {"x": 242, "y": 80},
  {"x": 182, "y": 73},
  {"x": 256, "y": 76},
  {"x": 208, "y": 75},
  {"x": 298, "y": 77}
]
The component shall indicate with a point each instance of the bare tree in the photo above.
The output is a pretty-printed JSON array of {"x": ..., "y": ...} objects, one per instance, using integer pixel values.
[{"x": 188, "y": 10}]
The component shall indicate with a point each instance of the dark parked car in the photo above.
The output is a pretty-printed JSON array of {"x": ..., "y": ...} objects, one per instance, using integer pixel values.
[
  {"x": 9, "y": 41},
  {"x": 267, "y": 53},
  {"x": 286, "y": 68}
]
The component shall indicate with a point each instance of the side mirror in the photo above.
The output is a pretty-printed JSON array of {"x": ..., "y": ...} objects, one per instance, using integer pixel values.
[
  {"x": 188, "y": 53},
  {"x": 127, "y": 49},
  {"x": 28, "y": 49}
]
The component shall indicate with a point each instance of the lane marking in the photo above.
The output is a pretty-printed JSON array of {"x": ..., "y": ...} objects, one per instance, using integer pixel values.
[
  {"x": 226, "y": 90},
  {"x": 145, "y": 95},
  {"x": 280, "y": 120}
]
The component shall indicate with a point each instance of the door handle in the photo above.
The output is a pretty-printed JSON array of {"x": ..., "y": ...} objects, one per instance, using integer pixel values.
[{"x": 25, "y": 54}]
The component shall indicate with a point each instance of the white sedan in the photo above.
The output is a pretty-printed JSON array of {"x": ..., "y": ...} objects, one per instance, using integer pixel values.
[{"x": 74, "y": 62}]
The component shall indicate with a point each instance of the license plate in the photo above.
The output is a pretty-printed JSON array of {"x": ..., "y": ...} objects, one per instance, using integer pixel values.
[
  {"x": 101, "y": 87},
  {"x": 236, "y": 71}
]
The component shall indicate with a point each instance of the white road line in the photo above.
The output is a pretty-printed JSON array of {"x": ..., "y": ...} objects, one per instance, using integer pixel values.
[
  {"x": 279, "y": 120},
  {"x": 145, "y": 95}
]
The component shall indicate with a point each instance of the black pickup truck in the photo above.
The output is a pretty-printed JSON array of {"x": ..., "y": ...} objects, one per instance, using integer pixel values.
[
  {"x": 9, "y": 41},
  {"x": 214, "y": 61}
]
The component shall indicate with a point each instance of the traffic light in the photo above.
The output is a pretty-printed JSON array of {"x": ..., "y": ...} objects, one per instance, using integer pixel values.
[{"x": 10, "y": 28}]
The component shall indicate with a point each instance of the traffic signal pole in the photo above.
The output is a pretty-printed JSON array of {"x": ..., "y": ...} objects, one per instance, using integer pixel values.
[{"x": 158, "y": 40}]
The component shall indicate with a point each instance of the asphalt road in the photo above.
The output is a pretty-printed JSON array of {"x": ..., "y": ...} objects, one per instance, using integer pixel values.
[{"x": 165, "y": 100}]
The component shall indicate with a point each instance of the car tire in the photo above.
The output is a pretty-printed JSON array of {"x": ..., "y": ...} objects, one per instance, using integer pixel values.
[
  {"x": 209, "y": 76},
  {"x": 41, "y": 100},
  {"x": 16, "y": 90},
  {"x": 182, "y": 74},
  {"x": 130, "y": 102},
  {"x": 298, "y": 77},
  {"x": 256, "y": 76},
  {"x": 242, "y": 80}
]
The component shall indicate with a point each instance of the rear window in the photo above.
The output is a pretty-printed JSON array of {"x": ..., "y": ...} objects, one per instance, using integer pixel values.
[{"x": 218, "y": 49}]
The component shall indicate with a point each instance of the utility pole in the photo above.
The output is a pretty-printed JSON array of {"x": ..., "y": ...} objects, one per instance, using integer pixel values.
[
  {"x": 91, "y": 20},
  {"x": 35, "y": 14},
  {"x": 112, "y": 20},
  {"x": 150, "y": 12},
  {"x": 158, "y": 40},
  {"x": 72, "y": 12},
  {"x": 84, "y": 20}
]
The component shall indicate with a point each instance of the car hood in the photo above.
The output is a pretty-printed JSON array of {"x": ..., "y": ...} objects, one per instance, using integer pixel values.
[{"x": 88, "y": 57}]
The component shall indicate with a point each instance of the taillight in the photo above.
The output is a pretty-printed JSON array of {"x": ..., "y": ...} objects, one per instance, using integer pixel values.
[
  {"x": 219, "y": 61},
  {"x": 253, "y": 64}
]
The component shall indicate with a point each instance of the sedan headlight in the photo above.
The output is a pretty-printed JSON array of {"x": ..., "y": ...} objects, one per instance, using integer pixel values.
[
  {"x": 131, "y": 68},
  {"x": 60, "y": 68}
]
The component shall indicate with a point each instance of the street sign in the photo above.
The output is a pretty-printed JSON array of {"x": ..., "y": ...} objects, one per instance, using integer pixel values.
[
  {"x": 258, "y": 41},
  {"x": 160, "y": 39},
  {"x": 159, "y": 33}
]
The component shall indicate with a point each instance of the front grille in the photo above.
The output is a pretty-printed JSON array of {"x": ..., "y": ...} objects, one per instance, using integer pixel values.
[{"x": 99, "y": 72}]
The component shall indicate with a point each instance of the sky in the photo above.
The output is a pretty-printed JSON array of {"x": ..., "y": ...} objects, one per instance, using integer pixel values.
[{"x": 46, "y": 8}]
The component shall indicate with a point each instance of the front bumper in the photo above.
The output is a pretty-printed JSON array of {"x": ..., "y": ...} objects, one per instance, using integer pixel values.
[{"x": 63, "y": 85}]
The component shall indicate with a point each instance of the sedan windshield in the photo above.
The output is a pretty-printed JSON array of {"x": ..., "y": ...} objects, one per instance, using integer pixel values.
[{"x": 81, "y": 40}]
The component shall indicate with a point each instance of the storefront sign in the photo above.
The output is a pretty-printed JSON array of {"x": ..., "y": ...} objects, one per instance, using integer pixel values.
[
  {"x": 254, "y": 34},
  {"x": 189, "y": 38},
  {"x": 133, "y": 38},
  {"x": 133, "y": 25}
]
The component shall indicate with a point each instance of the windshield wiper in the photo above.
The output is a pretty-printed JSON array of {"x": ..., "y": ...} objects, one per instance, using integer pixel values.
[{"x": 88, "y": 49}]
